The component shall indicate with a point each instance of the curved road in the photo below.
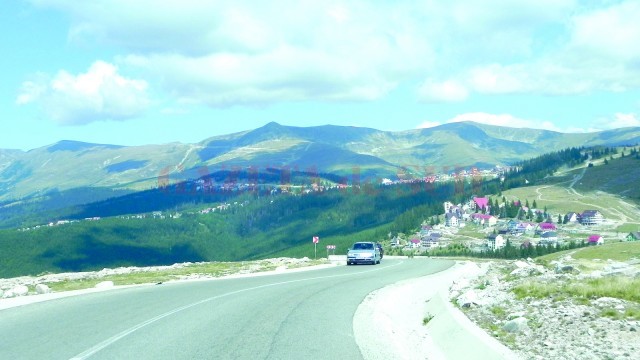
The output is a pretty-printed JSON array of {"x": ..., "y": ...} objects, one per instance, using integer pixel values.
[{"x": 285, "y": 316}]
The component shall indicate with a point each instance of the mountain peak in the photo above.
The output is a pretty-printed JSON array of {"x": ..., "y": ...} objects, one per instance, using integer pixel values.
[
  {"x": 72, "y": 145},
  {"x": 272, "y": 124}
]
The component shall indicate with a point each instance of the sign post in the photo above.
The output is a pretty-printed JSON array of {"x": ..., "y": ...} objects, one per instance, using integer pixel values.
[
  {"x": 316, "y": 240},
  {"x": 332, "y": 248}
]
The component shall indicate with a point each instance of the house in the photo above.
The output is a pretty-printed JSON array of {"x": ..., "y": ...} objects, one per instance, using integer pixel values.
[
  {"x": 512, "y": 225},
  {"x": 395, "y": 241},
  {"x": 482, "y": 203},
  {"x": 447, "y": 206},
  {"x": 414, "y": 243},
  {"x": 484, "y": 220},
  {"x": 591, "y": 217},
  {"x": 451, "y": 220},
  {"x": 433, "y": 240},
  {"x": 495, "y": 242},
  {"x": 425, "y": 231},
  {"x": 545, "y": 226},
  {"x": 525, "y": 227},
  {"x": 571, "y": 217},
  {"x": 633, "y": 236},
  {"x": 549, "y": 237},
  {"x": 595, "y": 240}
]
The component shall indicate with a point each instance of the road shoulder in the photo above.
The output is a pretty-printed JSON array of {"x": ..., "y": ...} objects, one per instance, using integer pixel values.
[{"x": 389, "y": 322}]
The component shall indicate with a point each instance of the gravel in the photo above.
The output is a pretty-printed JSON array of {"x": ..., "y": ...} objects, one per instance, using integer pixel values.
[{"x": 553, "y": 328}]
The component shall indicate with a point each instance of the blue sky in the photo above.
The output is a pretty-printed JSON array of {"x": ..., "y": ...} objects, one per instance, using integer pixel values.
[{"x": 152, "y": 71}]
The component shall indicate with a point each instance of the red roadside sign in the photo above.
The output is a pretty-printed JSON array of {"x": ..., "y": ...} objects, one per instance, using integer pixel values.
[{"x": 316, "y": 239}]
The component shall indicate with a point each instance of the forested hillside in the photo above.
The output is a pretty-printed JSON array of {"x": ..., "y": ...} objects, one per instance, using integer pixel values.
[{"x": 177, "y": 225}]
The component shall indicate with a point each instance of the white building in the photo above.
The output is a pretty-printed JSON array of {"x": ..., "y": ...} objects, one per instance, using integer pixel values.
[
  {"x": 451, "y": 220},
  {"x": 495, "y": 242},
  {"x": 591, "y": 217}
]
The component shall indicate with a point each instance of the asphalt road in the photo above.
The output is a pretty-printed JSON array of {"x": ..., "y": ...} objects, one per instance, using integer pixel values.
[{"x": 303, "y": 315}]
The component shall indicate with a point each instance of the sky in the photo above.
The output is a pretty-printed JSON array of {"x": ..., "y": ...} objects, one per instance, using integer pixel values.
[{"x": 159, "y": 71}]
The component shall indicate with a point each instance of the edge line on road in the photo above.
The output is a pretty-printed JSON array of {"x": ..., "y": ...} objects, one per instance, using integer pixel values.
[{"x": 94, "y": 349}]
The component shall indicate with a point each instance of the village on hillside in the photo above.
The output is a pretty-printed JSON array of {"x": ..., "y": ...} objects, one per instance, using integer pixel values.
[{"x": 482, "y": 224}]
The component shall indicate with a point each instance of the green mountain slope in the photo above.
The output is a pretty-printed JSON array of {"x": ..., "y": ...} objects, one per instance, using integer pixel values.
[
  {"x": 176, "y": 223},
  {"x": 337, "y": 149}
]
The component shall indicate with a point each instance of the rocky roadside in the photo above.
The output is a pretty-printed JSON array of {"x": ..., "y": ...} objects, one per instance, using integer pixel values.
[
  {"x": 35, "y": 285},
  {"x": 540, "y": 313}
]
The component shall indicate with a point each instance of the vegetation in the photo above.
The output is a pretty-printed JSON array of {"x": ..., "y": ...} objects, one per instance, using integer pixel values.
[
  {"x": 426, "y": 319},
  {"x": 507, "y": 252},
  {"x": 615, "y": 287},
  {"x": 622, "y": 251},
  {"x": 255, "y": 223},
  {"x": 253, "y": 226},
  {"x": 213, "y": 269}
]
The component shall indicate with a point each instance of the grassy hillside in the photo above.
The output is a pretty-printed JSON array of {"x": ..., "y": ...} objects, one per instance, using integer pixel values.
[
  {"x": 610, "y": 188},
  {"x": 620, "y": 176},
  {"x": 69, "y": 164},
  {"x": 622, "y": 251},
  {"x": 255, "y": 224},
  {"x": 251, "y": 226}
]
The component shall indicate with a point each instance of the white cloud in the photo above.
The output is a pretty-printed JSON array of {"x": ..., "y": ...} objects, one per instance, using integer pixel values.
[
  {"x": 612, "y": 32},
  {"x": 99, "y": 94},
  {"x": 245, "y": 52},
  {"x": 570, "y": 49},
  {"x": 619, "y": 120},
  {"x": 237, "y": 52},
  {"x": 449, "y": 90}
]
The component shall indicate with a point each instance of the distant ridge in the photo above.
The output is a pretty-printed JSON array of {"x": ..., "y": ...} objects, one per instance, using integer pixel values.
[
  {"x": 69, "y": 145},
  {"x": 331, "y": 149}
]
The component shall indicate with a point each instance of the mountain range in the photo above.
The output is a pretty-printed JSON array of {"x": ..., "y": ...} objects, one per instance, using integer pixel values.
[{"x": 69, "y": 165}]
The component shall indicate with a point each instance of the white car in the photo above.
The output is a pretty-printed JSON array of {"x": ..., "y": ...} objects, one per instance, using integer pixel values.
[{"x": 364, "y": 252}]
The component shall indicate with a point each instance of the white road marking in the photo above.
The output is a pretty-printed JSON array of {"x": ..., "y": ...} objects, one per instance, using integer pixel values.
[{"x": 93, "y": 350}]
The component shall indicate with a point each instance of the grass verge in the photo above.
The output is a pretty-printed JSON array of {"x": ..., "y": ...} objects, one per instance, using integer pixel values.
[
  {"x": 213, "y": 269},
  {"x": 615, "y": 287}
]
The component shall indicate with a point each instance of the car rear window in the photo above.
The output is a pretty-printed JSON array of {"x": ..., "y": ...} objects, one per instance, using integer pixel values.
[{"x": 362, "y": 246}]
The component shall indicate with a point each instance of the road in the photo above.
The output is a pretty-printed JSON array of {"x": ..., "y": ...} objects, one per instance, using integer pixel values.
[{"x": 285, "y": 316}]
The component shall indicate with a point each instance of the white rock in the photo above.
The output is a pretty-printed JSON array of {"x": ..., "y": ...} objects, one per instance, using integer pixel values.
[
  {"x": 521, "y": 264},
  {"x": 471, "y": 270},
  {"x": 42, "y": 289},
  {"x": 460, "y": 284},
  {"x": 524, "y": 272},
  {"x": 104, "y": 285},
  {"x": 516, "y": 325},
  {"x": 468, "y": 299},
  {"x": 516, "y": 315},
  {"x": 20, "y": 290},
  {"x": 281, "y": 268}
]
